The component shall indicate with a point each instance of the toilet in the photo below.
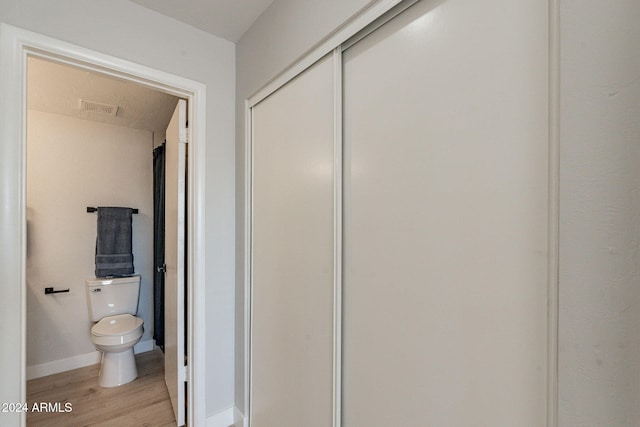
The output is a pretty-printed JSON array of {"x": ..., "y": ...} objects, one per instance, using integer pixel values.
[{"x": 113, "y": 303}]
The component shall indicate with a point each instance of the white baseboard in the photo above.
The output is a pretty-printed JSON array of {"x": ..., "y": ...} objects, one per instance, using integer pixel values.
[
  {"x": 62, "y": 365},
  {"x": 75, "y": 362},
  {"x": 226, "y": 418}
]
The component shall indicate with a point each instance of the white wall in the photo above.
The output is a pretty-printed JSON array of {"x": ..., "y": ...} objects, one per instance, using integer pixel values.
[
  {"x": 72, "y": 164},
  {"x": 131, "y": 32},
  {"x": 600, "y": 214},
  {"x": 280, "y": 36}
]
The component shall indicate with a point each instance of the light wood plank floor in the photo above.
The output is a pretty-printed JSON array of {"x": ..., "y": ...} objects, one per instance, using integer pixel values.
[{"x": 142, "y": 402}]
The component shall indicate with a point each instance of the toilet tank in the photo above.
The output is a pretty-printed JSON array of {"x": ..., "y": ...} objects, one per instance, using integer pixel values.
[{"x": 108, "y": 297}]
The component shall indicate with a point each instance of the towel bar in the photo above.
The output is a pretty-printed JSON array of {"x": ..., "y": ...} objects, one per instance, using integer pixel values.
[{"x": 90, "y": 209}]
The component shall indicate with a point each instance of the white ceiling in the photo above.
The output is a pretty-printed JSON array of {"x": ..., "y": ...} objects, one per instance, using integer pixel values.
[
  {"x": 228, "y": 19},
  {"x": 57, "y": 88}
]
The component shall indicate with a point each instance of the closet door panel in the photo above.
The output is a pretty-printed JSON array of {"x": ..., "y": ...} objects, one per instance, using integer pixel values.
[
  {"x": 292, "y": 280},
  {"x": 445, "y": 127}
]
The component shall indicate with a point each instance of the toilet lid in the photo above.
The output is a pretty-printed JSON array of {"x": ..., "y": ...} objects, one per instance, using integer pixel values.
[{"x": 116, "y": 325}]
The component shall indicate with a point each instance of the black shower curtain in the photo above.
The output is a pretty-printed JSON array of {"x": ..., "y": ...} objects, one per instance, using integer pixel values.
[{"x": 158, "y": 244}]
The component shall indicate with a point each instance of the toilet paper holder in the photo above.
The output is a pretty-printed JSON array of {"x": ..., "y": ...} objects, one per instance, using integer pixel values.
[{"x": 48, "y": 291}]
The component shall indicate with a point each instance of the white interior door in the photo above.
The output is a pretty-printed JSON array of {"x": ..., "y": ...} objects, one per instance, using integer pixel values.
[
  {"x": 445, "y": 287},
  {"x": 174, "y": 304},
  {"x": 292, "y": 241}
]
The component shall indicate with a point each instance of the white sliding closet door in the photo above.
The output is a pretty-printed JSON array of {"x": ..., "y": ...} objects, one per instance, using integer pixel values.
[
  {"x": 292, "y": 253},
  {"x": 446, "y": 137}
]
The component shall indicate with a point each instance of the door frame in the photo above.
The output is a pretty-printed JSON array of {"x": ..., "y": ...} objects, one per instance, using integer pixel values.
[{"x": 15, "y": 46}]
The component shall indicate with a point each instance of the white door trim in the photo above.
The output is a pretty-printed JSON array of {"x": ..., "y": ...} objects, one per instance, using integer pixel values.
[
  {"x": 248, "y": 257},
  {"x": 15, "y": 45},
  {"x": 337, "y": 236},
  {"x": 553, "y": 256}
]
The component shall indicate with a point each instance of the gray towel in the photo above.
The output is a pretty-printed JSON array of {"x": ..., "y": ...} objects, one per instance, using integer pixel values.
[{"x": 114, "y": 254}]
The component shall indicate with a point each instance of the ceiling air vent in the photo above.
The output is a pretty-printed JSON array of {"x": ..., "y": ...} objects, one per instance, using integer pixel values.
[{"x": 97, "y": 107}]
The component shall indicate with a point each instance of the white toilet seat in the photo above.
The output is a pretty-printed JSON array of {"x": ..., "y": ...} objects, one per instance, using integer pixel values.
[
  {"x": 115, "y": 333},
  {"x": 117, "y": 330}
]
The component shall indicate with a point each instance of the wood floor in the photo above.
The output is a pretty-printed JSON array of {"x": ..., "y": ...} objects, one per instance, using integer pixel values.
[{"x": 142, "y": 402}]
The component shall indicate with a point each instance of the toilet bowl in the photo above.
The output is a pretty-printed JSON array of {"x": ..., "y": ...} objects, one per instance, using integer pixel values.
[
  {"x": 113, "y": 304},
  {"x": 115, "y": 336}
]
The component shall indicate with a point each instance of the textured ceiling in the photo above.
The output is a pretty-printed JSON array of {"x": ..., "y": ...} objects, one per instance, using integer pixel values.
[
  {"x": 228, "y": 19},
  {"x": 56, "y": 88}
]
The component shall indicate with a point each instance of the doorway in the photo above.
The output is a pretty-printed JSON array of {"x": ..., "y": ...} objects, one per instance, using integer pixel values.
[
  {"x": 17, "y": 46},
  {"x": 90, "y": 139}
]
